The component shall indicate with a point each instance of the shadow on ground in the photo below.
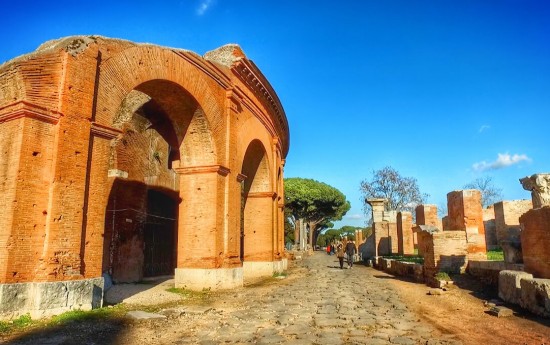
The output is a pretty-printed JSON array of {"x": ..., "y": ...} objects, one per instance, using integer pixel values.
[{"x": 88, "y": 330}]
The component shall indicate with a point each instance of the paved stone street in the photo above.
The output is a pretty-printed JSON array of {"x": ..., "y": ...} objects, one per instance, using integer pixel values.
[
  {"x": 316, "y": 304},
  {"x": 327, "y": 306}
]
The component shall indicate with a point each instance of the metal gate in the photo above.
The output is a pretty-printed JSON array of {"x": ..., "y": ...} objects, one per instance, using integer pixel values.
[{"x": 159, "y": 235}]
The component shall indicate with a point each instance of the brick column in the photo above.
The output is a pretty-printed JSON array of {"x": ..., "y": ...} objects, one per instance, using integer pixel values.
[
  {"x": 535, "y": 241},
  {"x": 201, "y": 261},
  {"x": 466, "y": 214},
  {"x": 404, "y": 233},
  {"x": 258, "y": 234}
]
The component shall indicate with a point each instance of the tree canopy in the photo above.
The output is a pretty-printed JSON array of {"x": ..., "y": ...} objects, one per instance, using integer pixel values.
[
  {"x": 314, "y": 202},
  {"x": 402, "y": 193},
  {"x": 489, "y": 193}
]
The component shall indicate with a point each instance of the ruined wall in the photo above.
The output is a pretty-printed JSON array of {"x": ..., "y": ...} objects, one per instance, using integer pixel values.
[
  {"x": 507, "y": 214},
  {"x": 443, "y": 251}
]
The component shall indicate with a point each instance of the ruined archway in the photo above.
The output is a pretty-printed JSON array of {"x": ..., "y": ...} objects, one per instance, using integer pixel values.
[
  {"x": 257, "y": 212},
  {"x": 163, "y": 129}
]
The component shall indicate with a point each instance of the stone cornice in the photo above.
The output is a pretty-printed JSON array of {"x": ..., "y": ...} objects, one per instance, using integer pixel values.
[
  {"x": 22, "y": 109},
  {"x": 206, "y": 67},
  {"x": 241, "y": 178},
  {"x": 252, "y": 77},
  {"x": 205, "y": 169},
  {"x": 104, "y": 131},
  {"x": 271, "y": 195}
]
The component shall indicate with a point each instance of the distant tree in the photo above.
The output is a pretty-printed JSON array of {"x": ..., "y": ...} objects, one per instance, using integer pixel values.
[
  {"x": 315, "y": 203},
  {"x": 332, "y": 235},
  {"x": 402, "y": 193},
  {"x": 489, "y": 193}
]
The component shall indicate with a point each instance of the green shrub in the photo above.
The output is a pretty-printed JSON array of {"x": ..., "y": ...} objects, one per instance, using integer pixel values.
[{"x": 442, "y": 276}]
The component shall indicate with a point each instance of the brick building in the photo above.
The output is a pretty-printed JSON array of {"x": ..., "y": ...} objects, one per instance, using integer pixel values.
[{"x": 135, "y": 160}]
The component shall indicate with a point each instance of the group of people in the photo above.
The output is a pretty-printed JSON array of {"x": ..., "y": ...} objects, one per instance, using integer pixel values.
[{"x": 348, "y": 250}]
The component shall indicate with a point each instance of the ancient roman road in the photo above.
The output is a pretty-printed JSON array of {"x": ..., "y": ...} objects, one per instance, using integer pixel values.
[{"x": 319, "y": 304}]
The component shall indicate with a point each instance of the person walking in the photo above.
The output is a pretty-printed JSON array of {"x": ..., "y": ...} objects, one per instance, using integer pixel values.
[
  {"x": 340, "y": 254},
  {"x": 350, "y": 252}
]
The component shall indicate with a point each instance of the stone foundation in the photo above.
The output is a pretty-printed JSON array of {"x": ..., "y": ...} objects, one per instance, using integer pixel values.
[
  {"x": 488, "y": 272},
  {"x": 509, "y": 285},
  {"x": 202, "y": 278},
  {"x": 49, "y": 298},
  {"x": 256, "y": 269},
  {"x": 535, "y": 296}
]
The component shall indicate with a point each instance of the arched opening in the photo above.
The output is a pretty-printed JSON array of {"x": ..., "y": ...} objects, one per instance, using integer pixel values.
[
  {"x": 256, "y": 207},
  {"x": 163, "y": 128}
]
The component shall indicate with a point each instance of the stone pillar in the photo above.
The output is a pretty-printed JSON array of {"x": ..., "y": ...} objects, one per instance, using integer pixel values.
[
  {"x": 378, "y": 206},
  {"x": 405, "y": 233},
  {"x": 466, "y": 214},
  {"x": 201, "y": 261}
]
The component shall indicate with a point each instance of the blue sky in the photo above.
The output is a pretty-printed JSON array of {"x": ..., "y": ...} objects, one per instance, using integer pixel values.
[{"x": 444, "y": 91}]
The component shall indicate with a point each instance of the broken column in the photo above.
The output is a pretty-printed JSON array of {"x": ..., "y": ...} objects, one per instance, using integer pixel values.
[
  {"x": 535, "y": 226},
  {"x": 465, "y": 213}
]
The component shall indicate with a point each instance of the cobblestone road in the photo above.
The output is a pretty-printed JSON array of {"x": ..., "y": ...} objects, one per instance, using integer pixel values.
[
  {"x": 317, "y": 304},
  {"x": 326, "y": 306}
]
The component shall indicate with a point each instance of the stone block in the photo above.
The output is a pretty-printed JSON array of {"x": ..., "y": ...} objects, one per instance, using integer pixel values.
[
  {"x": 13, "y": 297},
  {"x": 535, "y": 296},
  {"x": 501, "y": 311},
  {"x": 509, "y": 285}
]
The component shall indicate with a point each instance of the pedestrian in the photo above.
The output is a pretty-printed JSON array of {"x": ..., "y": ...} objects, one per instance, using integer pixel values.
[
  {"x": 328, "y": 249},
  {"x": 350, "y": 252},
  {"x": 340, "y": 254}
]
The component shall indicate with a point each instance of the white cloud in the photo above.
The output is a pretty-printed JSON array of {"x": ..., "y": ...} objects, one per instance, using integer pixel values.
[
  {"x": 503, "y": 160},
  {"x": 204, "y": 6},
  {"x": 355, "y": 216},
  {"x": 483, "y": 127}
]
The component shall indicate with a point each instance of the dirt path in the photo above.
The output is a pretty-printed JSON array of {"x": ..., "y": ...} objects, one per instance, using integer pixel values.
[{"x": 461, "y": 311}]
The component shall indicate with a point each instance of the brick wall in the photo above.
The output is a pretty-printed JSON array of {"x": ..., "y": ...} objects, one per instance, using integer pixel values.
[
  {"x": 535, "y": 241},
  {"x": 507, "y": 214},
  {"x": 465, "y": 213}
]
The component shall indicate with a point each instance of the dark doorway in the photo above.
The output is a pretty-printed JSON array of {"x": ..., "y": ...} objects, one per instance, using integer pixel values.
[{"x": 159, "y": 236}]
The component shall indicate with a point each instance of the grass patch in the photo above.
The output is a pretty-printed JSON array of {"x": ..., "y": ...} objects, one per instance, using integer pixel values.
[
  {"x": 190, "y": 294},
  {"x": 495, "y": 255},
  {"x": 406, "y": 258},
  {"x": 16, "y": 324},
  {"x": 279, "y": 274}
]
